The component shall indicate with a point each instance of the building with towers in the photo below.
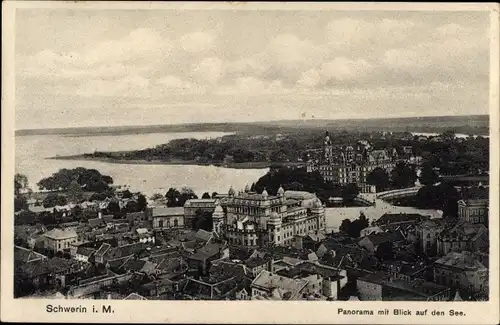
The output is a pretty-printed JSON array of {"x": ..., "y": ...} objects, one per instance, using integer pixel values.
[
  {"x": 347, "y": 164},
  {"x": 253, "y": 219}
]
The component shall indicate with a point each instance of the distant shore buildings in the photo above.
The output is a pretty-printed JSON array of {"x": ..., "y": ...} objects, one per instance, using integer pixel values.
[{"x": 352, "y": 164}]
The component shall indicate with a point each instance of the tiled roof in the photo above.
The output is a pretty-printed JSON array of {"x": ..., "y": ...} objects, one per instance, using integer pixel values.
[
  {"x": 418, "y": 287},
  {"x": 108, "y": 218},
  {"x": 96, "y": 222},
  {"x": 203, "y": 235},
  {"x": 103, "y": 249},
  {"x": 134, "y": 215},
  {"x": 204, "y": 202},
  {"x": 171, "y": 265},
  {"x": 385, "y": 237},
  {"x": 323, "y": 270},
  {"x": 254, "y": 262},
  {"x": 206, "y": 252},
  {"x": 225, "y": 270},
  {"x": 125, "y": 250},
  {"x": 189, "y": 245},
  {"x": 85, "y": 251},
  {"x": 316, "y": 237},
  {"x": 161, "y": 211},
  {"x": 463, "y": 260},
  {"x": 400, "y": 217},
  {"x": 299, "y": 195},
  {"x": 59, "y": 234},
  {"x": 377, "y": 278},
  {"x": 25, "y": 255},
  {"x": 240, "y": 253},
  {"x": 46, "y": 266},
  {"x": 465, "y": 230},
  {"x": 289, "y": 288},
  {"x": 134, "y": 296},
  {"x": 40, "y": 209}
]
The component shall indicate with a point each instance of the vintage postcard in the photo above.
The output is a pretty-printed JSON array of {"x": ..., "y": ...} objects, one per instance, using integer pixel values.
[{"x": 232, "y": 162}]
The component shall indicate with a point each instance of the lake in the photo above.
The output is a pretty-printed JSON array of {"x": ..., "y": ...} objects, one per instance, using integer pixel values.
[
  {"x": 458, "y": 135},
  {"x": 31, "y": 152}
]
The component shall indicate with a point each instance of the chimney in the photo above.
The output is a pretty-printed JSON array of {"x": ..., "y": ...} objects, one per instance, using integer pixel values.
[{"x": 270, "y": 265}]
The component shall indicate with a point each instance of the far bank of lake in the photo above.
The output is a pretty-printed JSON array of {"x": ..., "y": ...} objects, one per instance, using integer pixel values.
[
  {"x": 32, "y": 152},
  {"x": 243, "y": 165}
]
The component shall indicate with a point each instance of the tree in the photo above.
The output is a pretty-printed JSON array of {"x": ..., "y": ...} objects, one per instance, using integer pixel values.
[
  {"x": 350, "y": 192},
  {"x": 20, "y": 203},
  {"x": 443, "y": 197},
  {"x": 74, "y": 192},
  {"x": 91, "y": 179},
  {"x": 311, "y": 182},
  {"x": 113, "y": 207},
  {"x": 345, "y": 225},
  {"x": 142, "y": 202},
  {"x": 203, "y": 220},
  {"x": 214, "y": 194},
  {"x": 205, "y": 196},
  {"x": 98, "y": 197},
  {"x": 428, "y": 176},
  {"x": 156, "y": 196},
  {"x": 172, "y": 197},
  {"x": 379, "y": 178},
  {"x": 353, "y": 228},
  {"x": 131, "y": 206},
  {"x": 295, "y": 186},
  {"x": 126, "y": 194},
  {"x": 20, "y": 182},
  {"x": 53, "y": 199},
  {"x": 186, "y": 194},
  {"x": 77, "y": 211},
  {"x": 403, "y": 175},
  {"x": 24, "y": 218},
  {"x": 448, "y": 135},
  {"x": 363, "y": 220}
]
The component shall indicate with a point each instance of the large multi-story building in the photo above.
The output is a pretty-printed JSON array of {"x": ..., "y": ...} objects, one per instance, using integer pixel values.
[
  {"x": 346, "y": 164},
  {"x": 194, "y": 207},
  {"x": 60, "y": 239},
  {"x": 253, "y": 219}
]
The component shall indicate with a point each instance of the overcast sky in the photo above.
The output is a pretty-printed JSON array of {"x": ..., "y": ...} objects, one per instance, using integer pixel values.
[{"x": 93, "y": 68}]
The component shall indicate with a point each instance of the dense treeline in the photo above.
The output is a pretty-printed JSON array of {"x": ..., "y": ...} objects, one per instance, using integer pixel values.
[
  {"x": 402, "y": 176},
  {"x": 90, "y": 179},
  {"x": 298, "y": 179},
  {"x": 450, "y": 154}
]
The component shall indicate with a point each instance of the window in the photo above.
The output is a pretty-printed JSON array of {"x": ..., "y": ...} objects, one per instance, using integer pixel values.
[
  {"x": 176, "y": 222},
  {"x": 168, "y": 223},
  {"x": 160, "y": 223}
]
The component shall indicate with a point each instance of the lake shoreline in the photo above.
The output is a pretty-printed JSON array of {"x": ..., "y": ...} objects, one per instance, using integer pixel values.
[{"x": 246, "y": 165}]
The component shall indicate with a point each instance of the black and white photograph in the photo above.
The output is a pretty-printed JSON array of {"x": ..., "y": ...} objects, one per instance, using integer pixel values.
[{"x": 226, "y": 154}]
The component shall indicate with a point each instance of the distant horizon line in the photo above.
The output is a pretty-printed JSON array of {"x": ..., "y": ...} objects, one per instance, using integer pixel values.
[{"x": 250, "y": 122}]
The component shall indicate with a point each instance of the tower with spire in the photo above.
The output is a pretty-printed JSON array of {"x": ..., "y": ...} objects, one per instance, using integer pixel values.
[
  {"x": 281, "y": 191},
  {"x": 217, "y": 219},
  {"x": 328, "y": 147}
]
